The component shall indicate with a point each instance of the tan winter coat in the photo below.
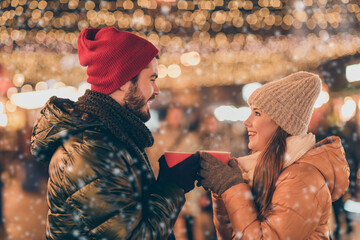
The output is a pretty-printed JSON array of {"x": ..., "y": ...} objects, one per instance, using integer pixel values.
[{"x": 301, "y": 201}]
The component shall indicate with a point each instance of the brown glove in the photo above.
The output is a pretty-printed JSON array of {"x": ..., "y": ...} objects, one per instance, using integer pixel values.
[{"x": 216, "y": 175}]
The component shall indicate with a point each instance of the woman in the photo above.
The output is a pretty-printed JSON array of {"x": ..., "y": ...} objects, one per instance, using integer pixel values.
[{"x": 285, "y": 188}]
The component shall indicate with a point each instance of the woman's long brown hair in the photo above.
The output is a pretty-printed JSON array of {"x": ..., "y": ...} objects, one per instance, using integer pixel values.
[{"x": 267, "y": 171}]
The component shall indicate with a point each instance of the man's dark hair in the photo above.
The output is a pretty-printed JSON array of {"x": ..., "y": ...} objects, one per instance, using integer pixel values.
[{"x": 135, "y": 79}]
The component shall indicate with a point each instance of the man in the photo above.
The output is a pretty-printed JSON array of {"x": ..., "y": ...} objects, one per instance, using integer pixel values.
[{"x": 101, "y": 185}]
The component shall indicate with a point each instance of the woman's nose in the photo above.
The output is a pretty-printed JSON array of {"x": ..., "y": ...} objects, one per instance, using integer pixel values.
[{"x": 247, "y": 122}]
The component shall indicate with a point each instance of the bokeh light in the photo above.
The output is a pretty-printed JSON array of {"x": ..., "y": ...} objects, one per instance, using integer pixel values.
[
  {"x": 174, "y": 71},
  {"x": 322, "y": 99},
  {"x": 348, "y": 109},
  {"x": 248, "y": 89}
]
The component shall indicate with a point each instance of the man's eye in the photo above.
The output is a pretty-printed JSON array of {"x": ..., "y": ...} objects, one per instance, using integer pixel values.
[{"x": 257, "y": 114}]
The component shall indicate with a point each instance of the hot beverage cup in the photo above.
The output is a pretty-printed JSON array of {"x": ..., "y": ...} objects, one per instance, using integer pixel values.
[
  {"x": 222, "y": 156},
  {"x": 173, "y": 158}
]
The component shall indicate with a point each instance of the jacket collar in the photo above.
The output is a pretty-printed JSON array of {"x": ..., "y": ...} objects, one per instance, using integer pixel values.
[{"x": 296, "y": 147}]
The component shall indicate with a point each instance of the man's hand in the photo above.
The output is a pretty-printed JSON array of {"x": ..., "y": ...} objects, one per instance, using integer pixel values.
[
  {"x": 182, "y": 174},
  {"x": 216, "y": 175}
]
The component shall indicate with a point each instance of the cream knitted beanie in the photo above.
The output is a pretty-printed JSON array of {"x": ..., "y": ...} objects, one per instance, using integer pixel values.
[{"x": 289, "y": 101}]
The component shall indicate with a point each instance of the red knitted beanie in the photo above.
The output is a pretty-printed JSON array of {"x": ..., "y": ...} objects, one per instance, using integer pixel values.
[{"x": 113, "y": 57}]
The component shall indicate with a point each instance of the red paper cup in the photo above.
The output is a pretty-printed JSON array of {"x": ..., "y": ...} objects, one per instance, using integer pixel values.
[
  {"x": 173, "y": 158},
  {"x": 222, "y": 156}
]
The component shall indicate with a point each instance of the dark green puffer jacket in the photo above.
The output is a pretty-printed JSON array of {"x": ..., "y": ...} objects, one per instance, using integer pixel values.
[{"x": 99, "y": 186}]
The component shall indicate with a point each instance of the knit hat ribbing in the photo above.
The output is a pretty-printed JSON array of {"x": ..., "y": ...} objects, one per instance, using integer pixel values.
[
  {"x": 289, "y": 101},
  {"x": 113, "y": 57}
]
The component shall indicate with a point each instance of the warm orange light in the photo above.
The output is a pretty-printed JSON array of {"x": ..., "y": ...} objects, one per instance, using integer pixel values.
[{"x": 166, "y": 1}]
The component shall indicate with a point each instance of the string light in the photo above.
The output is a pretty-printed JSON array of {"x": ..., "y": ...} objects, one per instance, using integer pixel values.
[
  {"x": 41, "y": 14},
  {"x": 218, "y": 28}
]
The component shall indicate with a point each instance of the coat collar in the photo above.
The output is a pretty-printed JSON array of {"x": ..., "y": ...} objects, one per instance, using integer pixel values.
[{"x": 296, "y": 147}]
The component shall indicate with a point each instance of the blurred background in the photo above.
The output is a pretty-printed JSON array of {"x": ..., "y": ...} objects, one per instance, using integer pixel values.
[{"x": 213, "y": 55}]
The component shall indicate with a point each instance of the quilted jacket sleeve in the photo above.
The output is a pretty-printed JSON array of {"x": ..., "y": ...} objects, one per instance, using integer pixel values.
[
  {"x": 119, "y": 204},
  {"x": 221, "y": 218},
  {"x": 295, "y": 215}
]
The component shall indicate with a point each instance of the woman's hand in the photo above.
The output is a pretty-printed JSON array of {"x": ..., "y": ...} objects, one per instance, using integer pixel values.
[{"x": 216, "y": 175}]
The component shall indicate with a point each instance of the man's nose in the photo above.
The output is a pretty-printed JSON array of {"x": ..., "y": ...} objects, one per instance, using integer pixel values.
[{"x": 156, "y": 90}]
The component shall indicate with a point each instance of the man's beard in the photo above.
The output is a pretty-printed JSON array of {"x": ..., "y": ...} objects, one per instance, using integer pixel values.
[{"x": 135, "y": 101}]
